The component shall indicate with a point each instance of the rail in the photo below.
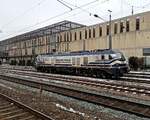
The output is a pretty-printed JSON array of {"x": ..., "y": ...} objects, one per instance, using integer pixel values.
[
  {"x": 115, "y": 103},
  {"x": 31, "y": 113}
]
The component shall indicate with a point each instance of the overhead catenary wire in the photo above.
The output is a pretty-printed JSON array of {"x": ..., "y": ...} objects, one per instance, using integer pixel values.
[
  {"x": 59, "y": 15},
  {"x": 81, "y": 21},
  {"x": 84, "y": 10}
]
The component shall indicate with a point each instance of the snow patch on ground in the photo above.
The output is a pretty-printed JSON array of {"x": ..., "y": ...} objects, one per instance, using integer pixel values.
[
  {"x": 73, "y": 111},
  {"x": 70, "y": 110}
]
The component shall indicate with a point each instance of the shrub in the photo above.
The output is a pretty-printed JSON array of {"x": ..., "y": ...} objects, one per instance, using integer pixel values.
[
  {"x": 28, "y": 63},
  {"x": 135, "y": 63},
  {"x": 141, "y": 63},
  {"x": 13, "y": 62}
]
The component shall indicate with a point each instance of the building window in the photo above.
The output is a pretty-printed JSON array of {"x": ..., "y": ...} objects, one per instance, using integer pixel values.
[
  {"x": 80, "y": 35},
  {"x": 70, "y": 36},
  {"x": 115, "y": 28},
  {"x": 127, "y": 25},
  {"x": 75, "y": 36},
  {"x": 65, "y": 37},
  {"x": 49, "y": 48},
  {"x": 107, "y": 30},
  {"x": 85, "y": 34},
  {"x": 39, "y": 42},
  {"x": 89, "y": 33},
  {"x": 48, "y": 39},
  {"x": 100, "y": 31},
  {"x": 121, "y": 27},
  {"x": 137, "y": 23},
  {"x": 93, "y": 32},
  {"x": 57, "y": 38},
  {"x": 60, "y": 38}
]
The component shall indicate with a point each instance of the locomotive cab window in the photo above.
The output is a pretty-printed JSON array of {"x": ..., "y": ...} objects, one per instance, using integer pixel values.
[
  {"x": 102, "y": 57},
  {"x": 118, "y": 55},
  {"x": 138, "y": 23},
  {"x": 122, "y": 58},
  {"x": 113, "y": 56},
  {"x": 106, "y": 57},
  {"x": 110, "y": 57}
]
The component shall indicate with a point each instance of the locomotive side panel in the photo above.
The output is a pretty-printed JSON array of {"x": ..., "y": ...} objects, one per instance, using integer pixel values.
[
  {"x": 106, "y": 63},
  {"x": 63, "y": 60},
  {"x": 47, "y": 60}
]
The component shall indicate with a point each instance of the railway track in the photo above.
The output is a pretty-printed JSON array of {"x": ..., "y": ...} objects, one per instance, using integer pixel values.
[
  {"x": 89, "y": 82},
  {"x": 133, "y": 76},
  {"x": 20, "y": 68},
  {"x": 140, "y": 77},
  {"x": 111, "y": 102},
  {"x": 11, "y": 109},
  {"x": 138, "y": 74}
]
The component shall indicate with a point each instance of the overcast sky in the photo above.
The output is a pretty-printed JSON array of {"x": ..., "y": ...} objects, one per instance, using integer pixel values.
[{"x": 20, "y": 16}]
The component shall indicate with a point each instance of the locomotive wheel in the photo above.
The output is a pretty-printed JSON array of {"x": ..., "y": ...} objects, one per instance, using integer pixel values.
[{"x": 103, "y": 75}]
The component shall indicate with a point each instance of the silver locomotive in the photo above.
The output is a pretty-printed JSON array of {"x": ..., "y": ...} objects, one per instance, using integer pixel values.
[{"x": 100, "y": 63}]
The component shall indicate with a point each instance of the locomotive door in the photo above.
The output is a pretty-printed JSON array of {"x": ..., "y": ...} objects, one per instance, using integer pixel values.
[
  {"x": 76, "y": 61},
  {"x": 52, "y": 61},
  {"x": 85, "y": 60},
  {"x": 73, "y": 61}
]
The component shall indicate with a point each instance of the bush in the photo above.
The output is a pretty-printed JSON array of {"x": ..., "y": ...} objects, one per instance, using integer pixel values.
[
  {"x": 20, "y": 62},
  {"x": 13, "y": 62},
  {"x": 136, "y": 63},
  {"x": 29, "y": 63},
  {"x": 141, "y": 63}
]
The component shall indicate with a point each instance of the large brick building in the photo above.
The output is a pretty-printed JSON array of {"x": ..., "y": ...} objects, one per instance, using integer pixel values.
[{"x": 130, "y": 34}]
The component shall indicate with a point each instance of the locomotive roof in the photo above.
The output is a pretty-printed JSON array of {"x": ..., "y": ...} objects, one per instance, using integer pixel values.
[{"x": 99, "y": 51}]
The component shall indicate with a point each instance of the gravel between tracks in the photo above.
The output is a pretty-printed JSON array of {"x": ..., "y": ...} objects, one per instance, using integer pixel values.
[
  {"x": 60, "y": 107},
  {"x": 125, "y": 95}
]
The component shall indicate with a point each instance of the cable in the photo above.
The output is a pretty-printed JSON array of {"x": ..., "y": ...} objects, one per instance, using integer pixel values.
[
  {"x": 84, "y": 9},
  {"x": 80, "y": 13},
  {"x": 80, "y": 7},
  {"x": 61, "y": 14},
  {"x": 64, "y": 4},
  {"x": 22, "y": 14}
]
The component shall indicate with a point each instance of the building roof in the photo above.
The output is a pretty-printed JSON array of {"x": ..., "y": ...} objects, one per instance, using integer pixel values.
[{"x": 48, "y": 30}]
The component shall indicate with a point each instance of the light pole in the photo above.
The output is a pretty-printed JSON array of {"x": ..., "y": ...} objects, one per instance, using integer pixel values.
[{"x": 110, "y": 37}]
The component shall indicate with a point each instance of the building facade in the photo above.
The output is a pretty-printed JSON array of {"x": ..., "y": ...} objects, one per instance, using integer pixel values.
[
  {"x": 130, "y": 34},
  {"x": 23, "y": 49}
]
